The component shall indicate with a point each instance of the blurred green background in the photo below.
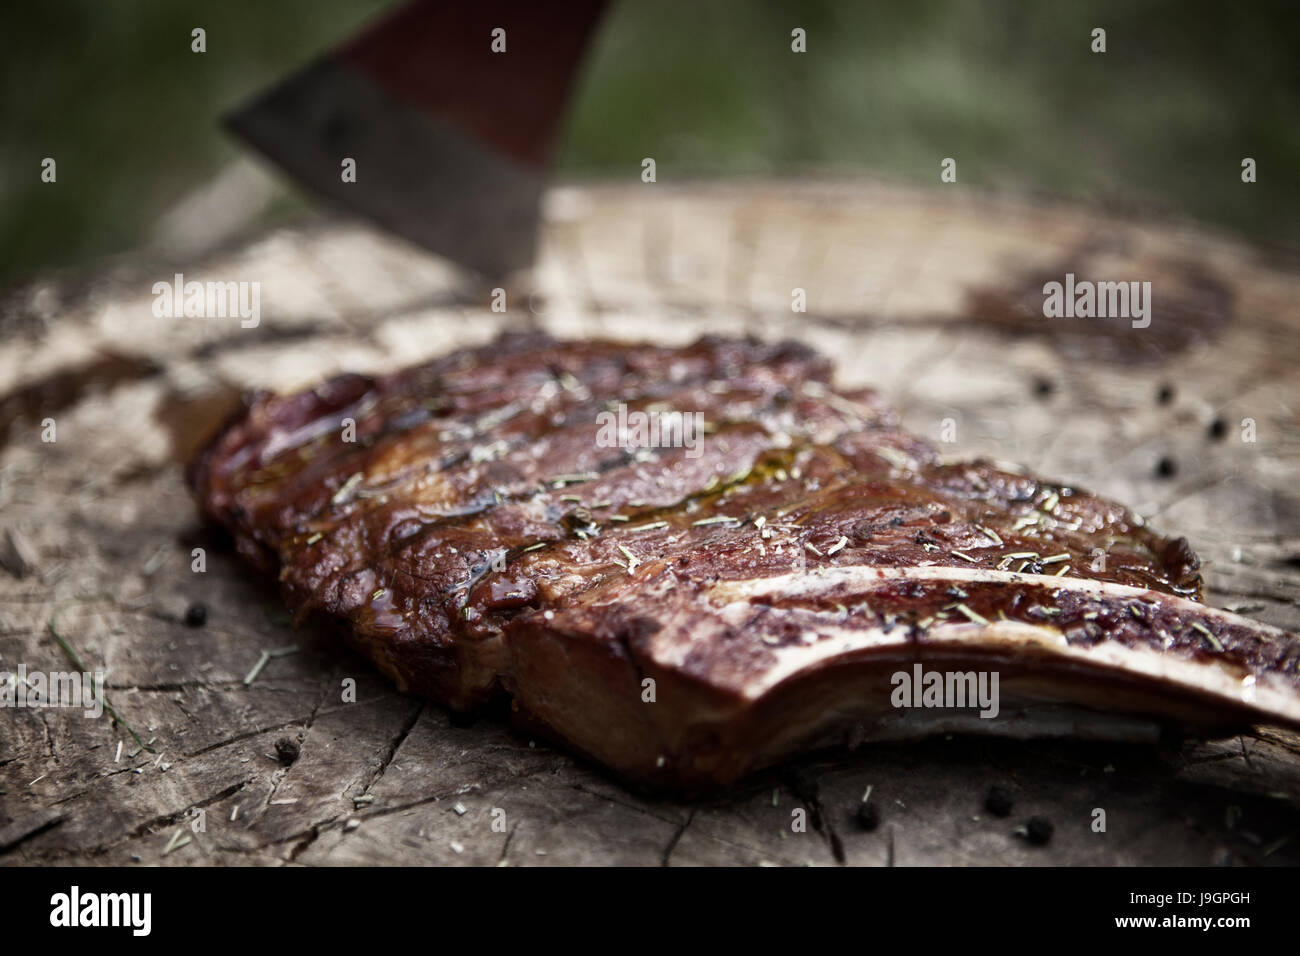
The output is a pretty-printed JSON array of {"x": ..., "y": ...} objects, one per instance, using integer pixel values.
[{"x": 1156, "y": 125}]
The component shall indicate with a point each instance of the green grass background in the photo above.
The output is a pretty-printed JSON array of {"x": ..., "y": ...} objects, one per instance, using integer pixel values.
[{"x": 1009, "y": 88}]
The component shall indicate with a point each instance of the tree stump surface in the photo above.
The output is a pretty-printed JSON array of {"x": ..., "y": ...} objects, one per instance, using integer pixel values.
[{"x": 933, "y": 297}]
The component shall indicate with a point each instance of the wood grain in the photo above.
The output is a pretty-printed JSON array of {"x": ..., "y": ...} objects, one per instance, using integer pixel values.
[{"x": 934, "y": 297}]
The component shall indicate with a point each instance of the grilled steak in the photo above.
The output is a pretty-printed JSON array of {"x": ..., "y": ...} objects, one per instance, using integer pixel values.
[{"x": 688, "y": 612}]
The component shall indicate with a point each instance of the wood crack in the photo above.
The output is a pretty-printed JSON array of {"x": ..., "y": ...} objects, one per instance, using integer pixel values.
[{"x": 677, "y": 835}]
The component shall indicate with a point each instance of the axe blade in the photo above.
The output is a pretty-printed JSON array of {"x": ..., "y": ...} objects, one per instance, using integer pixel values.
[{"x": 452, "y": 140}]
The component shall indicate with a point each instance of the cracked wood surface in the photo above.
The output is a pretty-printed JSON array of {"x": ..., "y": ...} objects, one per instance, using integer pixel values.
[{"x": 931, "y": 296}]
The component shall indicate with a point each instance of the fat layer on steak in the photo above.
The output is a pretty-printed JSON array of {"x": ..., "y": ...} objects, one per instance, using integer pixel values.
[{"x": 685, "y": 615}]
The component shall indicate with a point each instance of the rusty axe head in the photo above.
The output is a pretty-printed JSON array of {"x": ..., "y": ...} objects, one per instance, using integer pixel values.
[{"x": 450, "y": 111}]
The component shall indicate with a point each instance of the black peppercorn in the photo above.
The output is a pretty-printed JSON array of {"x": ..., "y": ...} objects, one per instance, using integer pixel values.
[
  {"x": 1038, "y": 830},
  {"x": 287, "y": 750},
  {"x": 998, "y": 802}
]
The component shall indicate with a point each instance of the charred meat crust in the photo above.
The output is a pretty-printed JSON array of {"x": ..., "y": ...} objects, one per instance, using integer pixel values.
[{"x": 467, "y": 525}]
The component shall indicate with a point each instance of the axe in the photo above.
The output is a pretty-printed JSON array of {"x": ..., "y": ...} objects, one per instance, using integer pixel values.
[{"x": 450, "y": 111}]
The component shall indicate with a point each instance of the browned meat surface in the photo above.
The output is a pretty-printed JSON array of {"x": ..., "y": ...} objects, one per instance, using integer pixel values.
[{"x": 688, "y": 614}]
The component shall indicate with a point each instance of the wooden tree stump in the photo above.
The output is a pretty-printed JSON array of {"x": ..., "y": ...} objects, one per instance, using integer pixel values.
[{"x": 933, "y": 297}]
